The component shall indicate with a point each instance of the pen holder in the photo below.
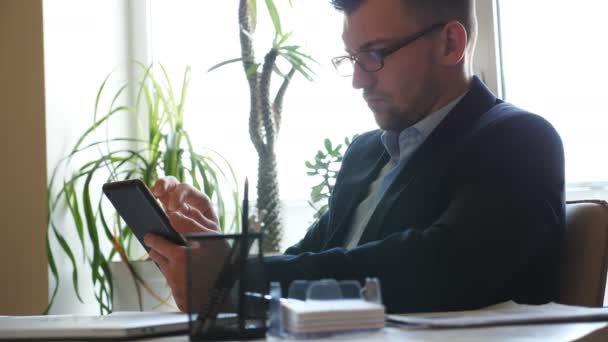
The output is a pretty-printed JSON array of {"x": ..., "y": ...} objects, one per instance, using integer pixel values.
[{"x": 226, "y": 287}]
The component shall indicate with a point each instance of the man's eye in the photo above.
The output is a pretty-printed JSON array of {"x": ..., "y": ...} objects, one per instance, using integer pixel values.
[{"x": 376, "y": 54}]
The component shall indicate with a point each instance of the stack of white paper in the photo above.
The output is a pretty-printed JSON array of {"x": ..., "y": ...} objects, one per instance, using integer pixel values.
[
  {"x": 319, "y": 316},
  {"x": 507, "y": 313}
]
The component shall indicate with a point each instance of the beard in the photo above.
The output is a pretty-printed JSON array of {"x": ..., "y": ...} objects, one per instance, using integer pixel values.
[
  {"x": 390, "y": 117},
  {"x": 393, "y": 115}
]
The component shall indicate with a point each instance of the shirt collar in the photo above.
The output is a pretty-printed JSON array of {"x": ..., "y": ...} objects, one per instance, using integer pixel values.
[{"x": 396, "y": 143}]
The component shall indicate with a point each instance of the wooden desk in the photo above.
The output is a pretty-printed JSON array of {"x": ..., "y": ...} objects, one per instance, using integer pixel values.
[{"x": 521, "y": 333}]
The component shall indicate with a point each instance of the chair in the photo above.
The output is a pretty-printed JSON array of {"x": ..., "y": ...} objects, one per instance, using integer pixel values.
[{"x": 582, "y": 278}]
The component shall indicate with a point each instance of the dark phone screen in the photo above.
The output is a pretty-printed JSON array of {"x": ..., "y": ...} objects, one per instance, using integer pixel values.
[{"x": 140, "y": 210}]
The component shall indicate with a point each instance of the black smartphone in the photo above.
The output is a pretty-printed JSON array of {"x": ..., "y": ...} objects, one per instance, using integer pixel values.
[{"x": 140, "y": 210}]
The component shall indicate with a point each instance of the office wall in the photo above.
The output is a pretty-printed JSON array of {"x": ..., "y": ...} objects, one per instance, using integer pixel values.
[{"x": 23, "y": 266}]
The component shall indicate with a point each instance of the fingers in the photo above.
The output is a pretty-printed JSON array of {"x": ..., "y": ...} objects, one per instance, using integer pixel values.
[
  {"x": 163, "y": 186},
  {"x": 162, "y": 251},
  {"x": 192, "y": 203},
  {"x": 185, "y": 193},
  {"x": 162, "y": 262},
  {"x": 185, "y": 224},
  {"x": 171, "y": 259},
  {"x": 196, "y": 215},
  {"x": 187, "y": 200}
]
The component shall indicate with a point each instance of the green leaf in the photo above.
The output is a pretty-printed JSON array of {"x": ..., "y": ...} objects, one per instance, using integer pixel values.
[
  {"x": 53, "y": 267},
  {"x": 293, "y": 50},
  {"x": 72, "y": 202},
  {"x": 253, "y": 10},
  {"x": 283, "y": 39},
  {"x": 274, "y": 15},
  {"x": 253, "y": 69},
  {"x": 299, "y": 65},
  {"x": 182, "y": 100},
  {"x": 97, "y": 260},
  {"x": 320, "y": 156},
  {"x": 107, "y": 280},
  {"x": 328, "y": 146},
  {"x": 278, "y": 71},
  {"x": 68, "y": 251},
  {"x": 98, "y": 123},
  {"x": 219, "y": 65},
  {"x": 335, "y": 153},
  {"x": 104, "y": 224},
  {"x": 316, "y": 191},
  {"x": 323, "y": 209}
]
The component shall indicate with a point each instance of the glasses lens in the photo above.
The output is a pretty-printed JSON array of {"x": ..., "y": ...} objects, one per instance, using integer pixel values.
[
  {"x": 344, "y": 65},
  {"x": 369, "y": 61}
]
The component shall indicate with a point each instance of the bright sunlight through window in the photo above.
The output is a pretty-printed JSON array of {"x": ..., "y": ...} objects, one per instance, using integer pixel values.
[
  {"x": 202, "y": 34},
  {"x": 555, "y": 64}
]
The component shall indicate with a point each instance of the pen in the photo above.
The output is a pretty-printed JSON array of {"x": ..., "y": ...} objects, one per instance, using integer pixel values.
[{"x": 244, "y": 245}]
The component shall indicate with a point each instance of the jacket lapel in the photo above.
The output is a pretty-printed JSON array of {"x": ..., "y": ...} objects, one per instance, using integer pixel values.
[
  {"x": 354, "y": 187},
  {"x": 445, "y": 138}
]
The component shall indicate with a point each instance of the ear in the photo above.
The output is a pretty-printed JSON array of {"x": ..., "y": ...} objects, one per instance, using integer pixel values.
[{"x": 453, "y": 43}]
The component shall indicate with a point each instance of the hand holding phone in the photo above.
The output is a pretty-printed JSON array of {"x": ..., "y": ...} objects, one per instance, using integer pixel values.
[{"x": 140, "y": 210}]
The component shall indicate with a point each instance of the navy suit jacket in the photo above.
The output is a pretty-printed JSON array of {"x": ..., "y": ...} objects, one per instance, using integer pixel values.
[{"x": 476, "y": 216}]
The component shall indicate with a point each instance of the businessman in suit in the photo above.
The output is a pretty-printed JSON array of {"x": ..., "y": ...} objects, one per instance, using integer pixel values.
[{"x": 455, "y": 202}]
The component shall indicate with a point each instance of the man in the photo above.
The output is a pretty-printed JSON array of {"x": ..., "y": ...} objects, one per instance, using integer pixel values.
[{"x": 456, "y": 202}]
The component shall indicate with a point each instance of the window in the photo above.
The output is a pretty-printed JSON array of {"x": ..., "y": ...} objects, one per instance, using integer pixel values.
[
  {"x": 197, "y": 34},
  {"x": 554, "y": 64},
  {"x": 556, "y": 57},
  {"x": 201, "y": 34}
]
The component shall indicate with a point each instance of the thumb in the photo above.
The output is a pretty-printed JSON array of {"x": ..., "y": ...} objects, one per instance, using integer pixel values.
[{"x": 185, "y": 225}]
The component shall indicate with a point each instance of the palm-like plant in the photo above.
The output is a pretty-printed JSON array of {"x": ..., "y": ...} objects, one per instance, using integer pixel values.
[
  {"x": 265, "y": 109},
  {"x": 166, "y": 150}
]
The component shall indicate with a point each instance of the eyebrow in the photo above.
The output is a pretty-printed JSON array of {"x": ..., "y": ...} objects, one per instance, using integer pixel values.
[{"x": 368, "y": 45}]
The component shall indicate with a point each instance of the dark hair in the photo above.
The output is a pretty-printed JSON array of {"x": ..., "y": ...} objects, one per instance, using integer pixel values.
[{"x": 429, "y": 11}]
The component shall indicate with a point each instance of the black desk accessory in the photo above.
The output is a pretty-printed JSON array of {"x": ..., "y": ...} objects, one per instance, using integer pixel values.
[{"x": 241, "y": 300}]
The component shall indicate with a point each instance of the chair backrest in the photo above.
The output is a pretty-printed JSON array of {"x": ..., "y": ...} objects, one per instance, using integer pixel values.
[{"x": 585, "y": 254}]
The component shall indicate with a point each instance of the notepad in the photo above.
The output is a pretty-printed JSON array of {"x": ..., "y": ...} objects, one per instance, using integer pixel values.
[
  {"x": 507, "y": 313},
  {"x": 319, "y": 316}
]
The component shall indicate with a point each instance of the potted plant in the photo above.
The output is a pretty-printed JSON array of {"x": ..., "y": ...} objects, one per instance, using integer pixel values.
[
  {"x": 266, "y": 109},
  {"x": 164, "y": 149},
  {"x": 324, "y": 167}
]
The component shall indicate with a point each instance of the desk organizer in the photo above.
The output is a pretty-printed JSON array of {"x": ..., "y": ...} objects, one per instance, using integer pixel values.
[{"x": 232, "y": 305}]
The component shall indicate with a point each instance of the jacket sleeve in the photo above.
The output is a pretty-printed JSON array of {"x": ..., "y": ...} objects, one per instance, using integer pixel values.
[
  {"x": 314, "y": 238},
  {"x": 502, "y": 226}
]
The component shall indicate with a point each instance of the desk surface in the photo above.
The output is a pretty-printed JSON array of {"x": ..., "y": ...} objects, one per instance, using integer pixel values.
[{"x": 521, "y": 333}]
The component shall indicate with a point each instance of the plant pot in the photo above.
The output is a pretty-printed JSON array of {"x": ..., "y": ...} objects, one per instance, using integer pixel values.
[{"x": 155, "y": 295}]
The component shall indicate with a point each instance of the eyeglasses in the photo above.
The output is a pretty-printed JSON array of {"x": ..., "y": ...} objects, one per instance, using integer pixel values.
[{"x": 373, "y": 60}]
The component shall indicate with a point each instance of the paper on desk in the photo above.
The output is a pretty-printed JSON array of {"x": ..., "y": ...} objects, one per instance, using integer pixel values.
[
  {"x": 507, "y": 313},
  {"x": 313, "y": 316}
]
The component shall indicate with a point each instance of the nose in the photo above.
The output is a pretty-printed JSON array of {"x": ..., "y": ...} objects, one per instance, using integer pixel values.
[{"x": 362, "y": 79}]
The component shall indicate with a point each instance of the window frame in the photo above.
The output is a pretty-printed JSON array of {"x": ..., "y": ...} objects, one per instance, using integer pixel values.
[{"x": 487, "y": 58}]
